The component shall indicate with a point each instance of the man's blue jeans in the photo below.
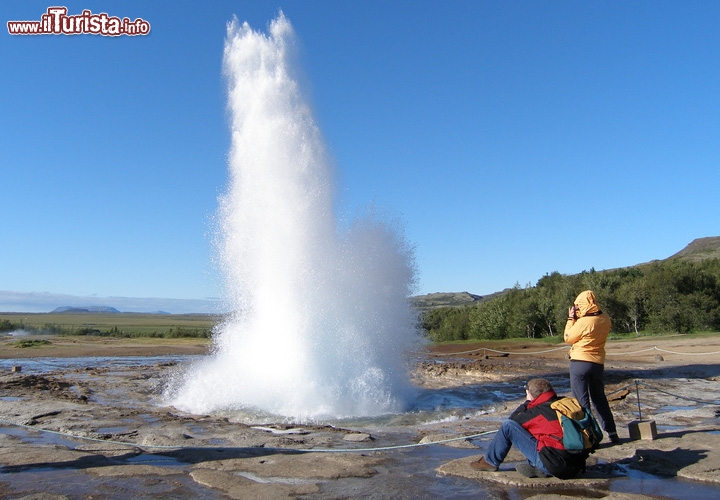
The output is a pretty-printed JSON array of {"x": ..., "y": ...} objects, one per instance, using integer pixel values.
[{"x": 513, "y": 434}]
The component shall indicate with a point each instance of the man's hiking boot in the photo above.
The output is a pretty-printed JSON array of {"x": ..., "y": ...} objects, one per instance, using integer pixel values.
[
  {"x": 482, "y": 465},
  {"x": 614, "y": 438},
  {"x": 528, "y": 470}
]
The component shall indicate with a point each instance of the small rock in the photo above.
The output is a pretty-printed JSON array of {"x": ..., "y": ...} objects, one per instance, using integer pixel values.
[{"x": 357, "y": 437}]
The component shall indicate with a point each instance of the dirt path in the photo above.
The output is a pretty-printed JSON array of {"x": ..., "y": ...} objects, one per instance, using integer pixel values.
[
  {"x": 66, "y": 347},
  {"x": 691, "y": 356}
]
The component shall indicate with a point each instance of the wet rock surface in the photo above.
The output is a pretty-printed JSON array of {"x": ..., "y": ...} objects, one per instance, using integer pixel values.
[{"x": 104, "y": 432}]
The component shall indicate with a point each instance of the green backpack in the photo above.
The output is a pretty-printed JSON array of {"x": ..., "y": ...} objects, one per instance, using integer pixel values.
[{"x": 581, "y": 432}]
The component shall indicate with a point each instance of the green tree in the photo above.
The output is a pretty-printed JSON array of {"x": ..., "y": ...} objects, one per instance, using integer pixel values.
[
  {"x": 488, "y": 320},
  {"x": 672, "y": 295}
]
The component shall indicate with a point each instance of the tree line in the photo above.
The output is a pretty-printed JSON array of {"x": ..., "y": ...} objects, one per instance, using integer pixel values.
[
  {"x": 666, "y": 296},
  {"x": 174, "y": 332}
]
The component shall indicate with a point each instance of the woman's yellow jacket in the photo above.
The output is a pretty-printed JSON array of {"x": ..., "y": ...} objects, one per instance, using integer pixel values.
[{"x": 587, "y": 334}]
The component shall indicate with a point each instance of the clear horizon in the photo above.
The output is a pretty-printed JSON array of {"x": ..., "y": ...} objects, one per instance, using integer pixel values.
[{"x": 45, "y": 302}]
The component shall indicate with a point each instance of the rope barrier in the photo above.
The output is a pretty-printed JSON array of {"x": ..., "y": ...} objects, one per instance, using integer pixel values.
[
  {"x": 633, "y": 352},
  {"x": 499, "y": 352},
  {"x": 310, "y": 450},
  {"x": 688, "y": 353},
  {"x": 695, "y": 400},
  {"x": 396, "y": 447},
  {"x": 654, "y": 348},
  {"x": 655, "y": 388}
]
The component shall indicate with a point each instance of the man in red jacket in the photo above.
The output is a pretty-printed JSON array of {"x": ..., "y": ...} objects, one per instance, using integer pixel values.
[{"x": 534, "y": 429}]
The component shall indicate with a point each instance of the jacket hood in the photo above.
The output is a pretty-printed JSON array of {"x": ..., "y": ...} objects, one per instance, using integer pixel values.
[{"x": 586, "y": 303}]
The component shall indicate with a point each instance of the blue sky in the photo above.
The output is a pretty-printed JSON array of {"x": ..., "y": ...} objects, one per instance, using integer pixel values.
[{"x": 512, "y": 138}]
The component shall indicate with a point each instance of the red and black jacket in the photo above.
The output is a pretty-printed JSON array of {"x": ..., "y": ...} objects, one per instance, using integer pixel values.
[{"x": 542, "y": 422}]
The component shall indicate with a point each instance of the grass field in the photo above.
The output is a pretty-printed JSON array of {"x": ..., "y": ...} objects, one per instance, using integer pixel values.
[{"x": 112, "y": 324}]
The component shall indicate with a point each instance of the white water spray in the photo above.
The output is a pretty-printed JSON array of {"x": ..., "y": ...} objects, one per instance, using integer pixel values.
[{"x": 323, "y": 321}]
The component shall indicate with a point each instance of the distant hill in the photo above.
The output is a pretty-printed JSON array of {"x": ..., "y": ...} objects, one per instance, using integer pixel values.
[
  {"x": 450, "y": 299},
  {"x": 89, "y": 309},
  {"x": 698, "y": 250}
]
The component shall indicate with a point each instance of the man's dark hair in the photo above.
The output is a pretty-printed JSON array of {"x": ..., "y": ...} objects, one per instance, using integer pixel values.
[{"x": 537, "y": 386}]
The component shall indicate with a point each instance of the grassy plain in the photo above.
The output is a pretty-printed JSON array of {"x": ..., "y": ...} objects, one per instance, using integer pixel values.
[{"x": 115, "y": 324}]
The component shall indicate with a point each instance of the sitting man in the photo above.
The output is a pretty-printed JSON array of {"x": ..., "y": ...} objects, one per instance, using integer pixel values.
[{"x": 535, "y": 430}]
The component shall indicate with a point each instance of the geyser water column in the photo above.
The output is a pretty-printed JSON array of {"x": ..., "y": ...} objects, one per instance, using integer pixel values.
[{"x": 322, "y": 323}]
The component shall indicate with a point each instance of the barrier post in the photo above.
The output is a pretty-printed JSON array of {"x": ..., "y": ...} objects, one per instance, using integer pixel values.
[{"x": 640, "y": 429}]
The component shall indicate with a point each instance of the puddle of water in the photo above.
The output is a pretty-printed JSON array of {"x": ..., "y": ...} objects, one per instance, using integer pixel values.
[
  {"x": 156, "y": 460},
  {"x": 675, "y": 408},
  {"x": 677, "y": 488},
  {"x": 38, "y": 366},
  {"x": 40, "y": 438}
]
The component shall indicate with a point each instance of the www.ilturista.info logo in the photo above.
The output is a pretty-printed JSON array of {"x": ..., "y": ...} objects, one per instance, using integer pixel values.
[{"x": 56, "y": 22}]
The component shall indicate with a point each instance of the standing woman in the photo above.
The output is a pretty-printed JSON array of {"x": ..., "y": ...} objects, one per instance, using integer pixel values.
[{"x": 586, "y": 330}]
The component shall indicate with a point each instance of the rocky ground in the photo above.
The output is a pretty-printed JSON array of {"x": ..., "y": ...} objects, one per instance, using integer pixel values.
[
  {"x": 102, "y": 431},
  {"x": 678, "y": 396}
]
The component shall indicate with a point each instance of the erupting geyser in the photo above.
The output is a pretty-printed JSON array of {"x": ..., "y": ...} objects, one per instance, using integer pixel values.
[{"x": 322, "y": 321}]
